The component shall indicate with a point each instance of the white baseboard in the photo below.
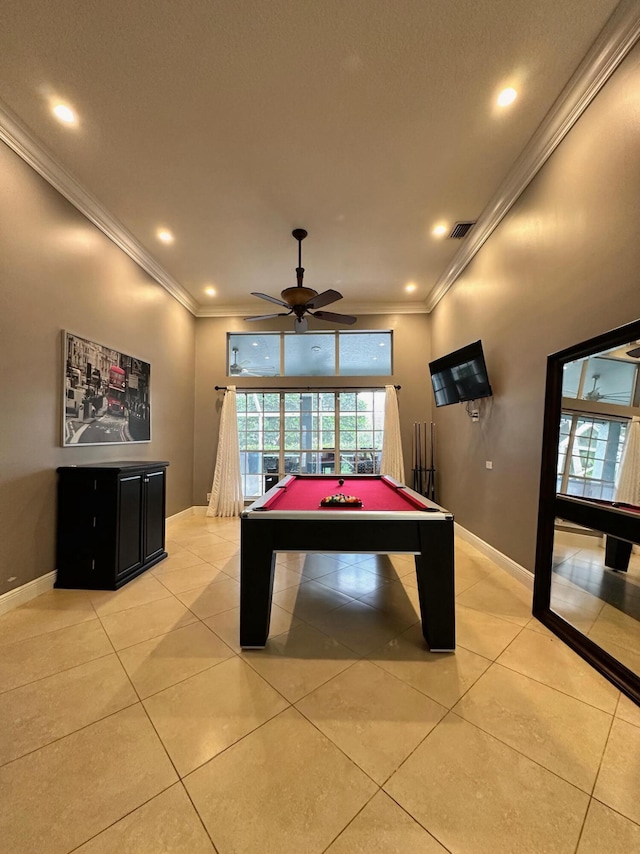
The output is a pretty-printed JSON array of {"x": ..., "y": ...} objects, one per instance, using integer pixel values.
[
  {"x": 12, "y": 598},
  {"x": 181, "y": 515},
  {"x": 514, "y": 569}
]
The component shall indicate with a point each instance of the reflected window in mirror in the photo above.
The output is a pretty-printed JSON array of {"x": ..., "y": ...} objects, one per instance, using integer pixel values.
[{"x": 589, "y": 454}]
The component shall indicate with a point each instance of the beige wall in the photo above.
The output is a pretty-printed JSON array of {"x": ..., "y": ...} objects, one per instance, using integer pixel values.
[
  {"x": 411, "y": 355},
  {"x": 57, "y": 271},
  {"x": 563, "y": 266}
]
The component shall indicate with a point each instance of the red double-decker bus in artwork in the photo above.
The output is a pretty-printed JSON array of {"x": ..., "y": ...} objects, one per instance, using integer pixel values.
[{"x": 116, "y": 390}]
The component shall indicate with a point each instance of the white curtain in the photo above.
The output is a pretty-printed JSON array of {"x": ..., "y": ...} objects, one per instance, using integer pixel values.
[
  {"x": 226, "y": 490},
  {"x": 628, "y": 490},
  {"x": 392, "y": 462}
]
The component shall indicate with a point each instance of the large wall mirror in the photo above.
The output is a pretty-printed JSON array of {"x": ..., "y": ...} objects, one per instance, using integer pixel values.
[{"x": 587, "y": 580}]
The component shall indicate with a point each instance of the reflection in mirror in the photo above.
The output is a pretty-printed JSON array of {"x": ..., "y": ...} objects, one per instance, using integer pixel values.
[
  {"x": 595, "y": 582},
  {"x": 587, "y": 591}
]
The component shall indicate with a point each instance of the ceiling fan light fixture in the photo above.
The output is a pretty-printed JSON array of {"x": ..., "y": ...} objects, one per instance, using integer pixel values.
[{"x": 298, "y": 296}]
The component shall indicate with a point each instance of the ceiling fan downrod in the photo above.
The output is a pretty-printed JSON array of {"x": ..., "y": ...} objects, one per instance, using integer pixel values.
[{"x": 299, "y": 234}]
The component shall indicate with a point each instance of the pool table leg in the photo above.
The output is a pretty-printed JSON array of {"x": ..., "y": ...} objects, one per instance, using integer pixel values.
[
  {"x": 257, "y": 565},
  {"x": 436, "y": 587},
  {"x": 617, "y": 553}
]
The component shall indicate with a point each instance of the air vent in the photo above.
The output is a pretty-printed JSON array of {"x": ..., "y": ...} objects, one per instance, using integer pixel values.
[{"x": 461, "y": 229}]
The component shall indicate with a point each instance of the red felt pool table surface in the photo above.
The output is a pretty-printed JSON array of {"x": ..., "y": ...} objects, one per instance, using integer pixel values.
[{"x": 302, "y": 492}]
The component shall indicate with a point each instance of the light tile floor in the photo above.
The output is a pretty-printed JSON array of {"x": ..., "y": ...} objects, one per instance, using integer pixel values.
[{"x": 131, "y": 722}]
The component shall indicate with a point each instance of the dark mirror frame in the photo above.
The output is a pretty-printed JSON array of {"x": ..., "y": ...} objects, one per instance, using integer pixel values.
[{"x": 626, "y": 680}]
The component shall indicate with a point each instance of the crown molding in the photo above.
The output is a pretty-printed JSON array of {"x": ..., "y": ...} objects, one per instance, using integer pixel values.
[
  {"x": 18, "y": 137},
  {"x": 616, "y": 39},
  {"x": 351, "y": 308}
]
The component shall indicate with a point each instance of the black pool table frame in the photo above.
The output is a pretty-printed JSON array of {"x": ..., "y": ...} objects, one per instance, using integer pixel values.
[{"x": 427, "y": 535}]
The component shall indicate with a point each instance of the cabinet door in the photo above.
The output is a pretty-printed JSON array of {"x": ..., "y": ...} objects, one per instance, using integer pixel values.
[
  {"x": 154, "y": 514},
  {"x": 129, "y": 524}
]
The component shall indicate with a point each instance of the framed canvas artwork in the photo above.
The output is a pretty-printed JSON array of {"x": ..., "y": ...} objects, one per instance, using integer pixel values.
[{"x": 106, "y": 395}]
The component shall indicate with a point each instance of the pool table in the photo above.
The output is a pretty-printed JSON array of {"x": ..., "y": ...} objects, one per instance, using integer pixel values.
[
  {"x": 392, "y": 518},
  {"x": 619, "y": 521}
]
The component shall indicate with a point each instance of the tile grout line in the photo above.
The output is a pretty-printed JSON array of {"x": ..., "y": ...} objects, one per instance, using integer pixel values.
[
  {"x": 200, "y": 819},
  {"x": 130, "y": 812},
  {"x": 55, "y": 673},
  {"x": 559, "y": 690}
]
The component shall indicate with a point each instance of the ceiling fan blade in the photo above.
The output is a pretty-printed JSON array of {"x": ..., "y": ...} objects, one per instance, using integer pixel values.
[
  {"x": 267, "y": 316},
  {"x": 324, "y": 298},
  {"x": 270, "y": 299},
  {"x": 335, "y": 318},
  {"x": 301, "y": 324}
]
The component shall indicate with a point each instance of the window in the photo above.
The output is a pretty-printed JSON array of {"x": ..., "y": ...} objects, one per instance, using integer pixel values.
[
  {"x": 364, "y": 353},
  {"x": 309, "y": 432},
  {"x": 254, "y": 355},
  {"x": 310, "y": 355},
  {"x": 313, "y": 354},
  {"x": 589, "y": 454}
]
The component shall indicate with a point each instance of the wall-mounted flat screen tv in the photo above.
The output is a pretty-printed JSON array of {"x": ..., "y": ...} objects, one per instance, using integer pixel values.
[{"x": 460, "y": 376}]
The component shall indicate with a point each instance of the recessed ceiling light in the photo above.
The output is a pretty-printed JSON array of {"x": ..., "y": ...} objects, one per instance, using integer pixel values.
[
  {"x": 375, "y": 358},
  {"x": 381, "y": 344},
  {"x": 267, "y": 358},
  {"x": 439, "y": 230},
  {"x": 65, "y": 114},
  {"x": 411, "y": 287},
  {"x": 164, "y": 235},
  {"x": 507, "y": 96},
  {"x": 210, "y": 292},
  {"x": 254, "y": 343},
  {"x": 316, "y": 349}
]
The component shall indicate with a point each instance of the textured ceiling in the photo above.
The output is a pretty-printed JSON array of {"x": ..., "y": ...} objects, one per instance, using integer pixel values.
[{"x": 232, "y": 122}]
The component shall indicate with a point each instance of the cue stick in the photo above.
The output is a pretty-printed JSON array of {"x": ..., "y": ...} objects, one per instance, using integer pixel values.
[
  {"x": 414, "y": 454},
  {"x": 432, "y": 470},
  {"x": 426, "y": 458}
]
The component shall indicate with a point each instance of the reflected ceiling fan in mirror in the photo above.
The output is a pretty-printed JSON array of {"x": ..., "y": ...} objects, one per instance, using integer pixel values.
[{"x": 301, "y": 301}]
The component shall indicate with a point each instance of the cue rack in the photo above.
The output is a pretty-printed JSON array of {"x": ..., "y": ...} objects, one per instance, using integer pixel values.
[{"x": 423, "y": 445}]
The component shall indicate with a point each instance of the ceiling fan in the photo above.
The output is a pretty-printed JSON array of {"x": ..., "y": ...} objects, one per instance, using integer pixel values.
[{"x": 303, "y": 301}]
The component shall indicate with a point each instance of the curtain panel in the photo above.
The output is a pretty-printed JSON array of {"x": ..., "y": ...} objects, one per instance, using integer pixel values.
[
  {"x": 392, "y": 462},
  {"x": 226, "y": 491}
]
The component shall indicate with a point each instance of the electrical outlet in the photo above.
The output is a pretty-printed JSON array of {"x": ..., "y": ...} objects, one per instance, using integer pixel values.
[{"x": 488, "y": 464}]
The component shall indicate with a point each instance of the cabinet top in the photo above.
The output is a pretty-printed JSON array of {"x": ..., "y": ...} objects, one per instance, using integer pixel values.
[{"x": 123, "y": 465}]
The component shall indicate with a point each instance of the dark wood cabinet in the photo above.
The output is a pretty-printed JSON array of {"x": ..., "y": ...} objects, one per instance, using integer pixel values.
[{"x": 110, "y": 523}]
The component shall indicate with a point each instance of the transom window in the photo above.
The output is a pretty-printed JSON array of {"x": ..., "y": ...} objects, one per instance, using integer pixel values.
[
  {"x": 313, "y": 354},
  {"x": 308, "y": 432}
]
